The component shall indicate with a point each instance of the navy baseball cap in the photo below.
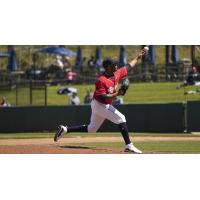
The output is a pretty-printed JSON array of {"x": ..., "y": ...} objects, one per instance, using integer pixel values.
[{"x": 109, "y": 62}]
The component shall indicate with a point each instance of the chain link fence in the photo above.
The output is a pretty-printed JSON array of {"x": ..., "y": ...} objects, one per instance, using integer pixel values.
[{"x": 24, "y": 92}]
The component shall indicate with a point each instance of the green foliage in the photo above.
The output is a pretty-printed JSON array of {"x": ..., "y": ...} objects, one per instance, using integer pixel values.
[{"x": 25, "y": 53}]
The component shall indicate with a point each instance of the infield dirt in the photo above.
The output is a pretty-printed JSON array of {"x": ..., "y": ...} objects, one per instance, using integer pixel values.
[{"x": 74, "y": 145}]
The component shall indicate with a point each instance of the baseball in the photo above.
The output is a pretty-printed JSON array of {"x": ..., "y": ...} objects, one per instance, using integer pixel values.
[{"x": 146, "y": 48}]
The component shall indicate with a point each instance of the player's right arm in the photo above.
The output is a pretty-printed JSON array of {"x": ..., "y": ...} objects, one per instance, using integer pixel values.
[{"x": 133, "y": 62}]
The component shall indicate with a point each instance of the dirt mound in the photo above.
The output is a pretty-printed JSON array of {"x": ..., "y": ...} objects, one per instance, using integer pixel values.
[{"x": 74, "y": 145}]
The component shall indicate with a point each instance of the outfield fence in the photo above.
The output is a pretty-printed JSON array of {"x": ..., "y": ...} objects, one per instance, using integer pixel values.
[{"x": 155, "y": 118}]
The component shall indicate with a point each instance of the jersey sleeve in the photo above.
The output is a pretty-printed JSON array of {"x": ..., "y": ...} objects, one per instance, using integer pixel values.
[
  {"x": 100, "y": 89},
  {"x": 122, "y": 72}
]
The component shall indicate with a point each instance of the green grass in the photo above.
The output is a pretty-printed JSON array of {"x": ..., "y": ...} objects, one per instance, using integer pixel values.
[
  {"x": 31, "y": 135},
  {"x": 188, "y": 147},
  {"x": 137, "y": 93}
]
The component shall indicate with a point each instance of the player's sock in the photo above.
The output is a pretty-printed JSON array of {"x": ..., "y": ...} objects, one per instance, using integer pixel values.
[
  {"x": 82, "y": 128},
  {"x": 124, "y": 131}
]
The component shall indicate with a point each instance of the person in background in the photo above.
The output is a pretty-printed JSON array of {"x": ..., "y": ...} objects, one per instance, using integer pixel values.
[
  {"x": 4, "y": 103},
  {"x": 70, "y": 75},
  {"x": 74, "y": 99},
  {"x": 89, "y": 96},
  {"x": 58, "y": 68},
  {"x": 58, "y": 62},
  {"x": 91, "y": 63},
  {"x": 193, "y": 78},
  {"x": 67, "y": 63}
]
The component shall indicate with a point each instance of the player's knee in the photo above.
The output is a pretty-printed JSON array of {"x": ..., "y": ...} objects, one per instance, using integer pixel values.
[{"x": 122, "y": 119}]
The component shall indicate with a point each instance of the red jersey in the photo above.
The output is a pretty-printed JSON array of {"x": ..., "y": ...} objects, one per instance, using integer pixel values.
[{"x": 108, "y": 85}]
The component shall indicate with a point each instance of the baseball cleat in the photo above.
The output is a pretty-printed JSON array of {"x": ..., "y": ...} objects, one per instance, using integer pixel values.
[
  {"x": 60, "y": 132},
  {"x": 132, "y": 149}
]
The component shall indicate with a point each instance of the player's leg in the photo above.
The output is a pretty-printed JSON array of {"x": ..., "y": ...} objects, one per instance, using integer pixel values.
[
  {"x": 95, "y": 122},
  {"x": 60, "y": 132},
  {"x": 116, "y": 117}
]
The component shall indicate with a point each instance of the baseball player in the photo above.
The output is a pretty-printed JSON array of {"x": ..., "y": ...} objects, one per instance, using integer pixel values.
[{"x": 105, "y": 92}]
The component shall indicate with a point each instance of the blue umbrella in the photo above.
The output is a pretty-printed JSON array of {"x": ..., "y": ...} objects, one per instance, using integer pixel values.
[
  {"x": 12, "y": 63},
  {"x": 167, "y": 55},
  {"x": 152, "y": 55},
  {"x": 174, "y": 54},
  {"x": 79, "y": 59},
  {"x": 192, "y": 54},
  {"x": 3, "y": 54},
  {"x": 62, "y": 51},
  {"x": 98, "y": 57},
  {"x": 122, "y": 56}
]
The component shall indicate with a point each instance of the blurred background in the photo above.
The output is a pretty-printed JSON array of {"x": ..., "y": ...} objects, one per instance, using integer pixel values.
[{"x": 47, "y": 75}]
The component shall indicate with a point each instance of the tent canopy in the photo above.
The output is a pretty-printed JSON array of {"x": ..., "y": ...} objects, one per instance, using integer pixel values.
[
  {"x": 152, "y": 55},
  {"x": 174, "y": 54},
  {"x": 12, "y": 63},
  {"x": 79, "y": 58},
  {"x": 122, "y": 56},
  {"x": 62, "y": 51},
  {"x": 98, "y": 57},
  {"x": 3, "y": 54}
]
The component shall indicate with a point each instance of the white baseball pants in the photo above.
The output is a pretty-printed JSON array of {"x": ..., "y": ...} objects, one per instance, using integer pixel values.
[{"x": 100, "y": 112}]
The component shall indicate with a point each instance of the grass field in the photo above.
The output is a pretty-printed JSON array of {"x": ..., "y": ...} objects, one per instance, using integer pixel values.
[
  {"x": 137, "y": 93},
  {"x": 156, "y": 147},
  {"x": 147, "y": 142}
]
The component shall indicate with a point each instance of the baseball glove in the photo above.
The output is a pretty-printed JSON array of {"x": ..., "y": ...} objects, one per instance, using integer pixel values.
[{"x": 124, "y": 86}]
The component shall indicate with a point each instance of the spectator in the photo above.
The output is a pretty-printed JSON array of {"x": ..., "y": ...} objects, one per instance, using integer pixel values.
[
  {"x": 4, "y": 103},
  {"x": 193, "y": 78},
  {"x": 57, "y": 68},
  {"x": 74, "y": 99},
  {"x": 70, "y": 75},
  {"x": 89, "y": 96},
  {"x": 65, "y": 90},
  {"x": 91, "y": 63},
  {"x": 67, "y": 63},
  {"x": 58, "y": 62}
]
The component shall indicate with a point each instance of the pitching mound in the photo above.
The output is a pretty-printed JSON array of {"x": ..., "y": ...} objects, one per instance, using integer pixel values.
[{"x": 74, "y": 145}]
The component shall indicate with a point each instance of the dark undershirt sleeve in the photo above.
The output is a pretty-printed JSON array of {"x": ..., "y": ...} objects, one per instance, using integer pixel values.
[
  {"x": 105, "y": 96},
  {"x": 128, "y": 67}
]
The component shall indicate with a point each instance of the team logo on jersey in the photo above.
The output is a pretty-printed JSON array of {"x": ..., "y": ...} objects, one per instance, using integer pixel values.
[{"x": 111, "y": 90}]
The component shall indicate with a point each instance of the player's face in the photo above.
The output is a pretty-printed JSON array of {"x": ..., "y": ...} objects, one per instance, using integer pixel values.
[
  {"x": 114, "y": 68},
  {"x": 111, "y": 69}
]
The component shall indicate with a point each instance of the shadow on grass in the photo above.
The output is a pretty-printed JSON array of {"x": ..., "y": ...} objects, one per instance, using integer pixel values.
[
  {"x": 76, "y": 147},
  {"x": 84, "y": 147}
]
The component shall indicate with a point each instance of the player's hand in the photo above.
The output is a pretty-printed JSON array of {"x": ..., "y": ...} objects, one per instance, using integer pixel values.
[
  {"x": 120, "y": 92},
  {"x": 141, "y": 54}
]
